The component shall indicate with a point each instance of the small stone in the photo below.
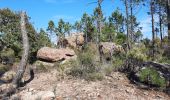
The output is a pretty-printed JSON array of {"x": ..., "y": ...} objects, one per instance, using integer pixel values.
[
  {"x": 145, "y": 93},
  {"x": 30, "y": 89},
  {"x": 129, "y": 91},
  {"x": 159, "y": 96},
  {"x": 59, "y": 98}
]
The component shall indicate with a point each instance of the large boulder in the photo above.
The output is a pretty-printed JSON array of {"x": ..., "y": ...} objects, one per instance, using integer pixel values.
[
  {"x": 76, "y": 39},
  {"x": 54, "y": 55},
  {"x": 110, "y": 47}
]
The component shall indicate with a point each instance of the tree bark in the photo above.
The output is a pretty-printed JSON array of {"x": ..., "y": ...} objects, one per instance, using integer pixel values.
[
  {"x": 22, "y": 66},
  {"x": 99, "y": 21},
  {"x": 153, "y": 28},
  {"x": 160, "y": 24},
  {"x": 168, "y": 18},
  {"x": 131, "y": 21},
  {"x": 24, "y": 59},
  {"x": 127, "y": 24}
]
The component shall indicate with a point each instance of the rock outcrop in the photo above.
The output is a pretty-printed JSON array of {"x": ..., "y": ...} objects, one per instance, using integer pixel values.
[
  {"x": 110, "y": 47},
  {"x": 73, "y": 41},
  {"x": 53, "y": 55}
]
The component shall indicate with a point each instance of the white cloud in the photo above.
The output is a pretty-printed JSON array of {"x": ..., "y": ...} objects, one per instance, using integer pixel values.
[
  {"x": 65, "y": 18},
  {"x": 57, "y": 17},
  {"x": 146, "y": 25}
]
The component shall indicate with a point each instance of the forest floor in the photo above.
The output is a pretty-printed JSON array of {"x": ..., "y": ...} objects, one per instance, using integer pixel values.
[{"x": 48, "y": 85}]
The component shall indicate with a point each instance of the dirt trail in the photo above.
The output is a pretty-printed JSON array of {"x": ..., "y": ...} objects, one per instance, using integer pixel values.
[{"x": 46, "y": 86}]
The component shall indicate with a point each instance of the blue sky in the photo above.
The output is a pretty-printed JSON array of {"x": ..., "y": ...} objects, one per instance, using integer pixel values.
[{"x": 41, "y": 11}]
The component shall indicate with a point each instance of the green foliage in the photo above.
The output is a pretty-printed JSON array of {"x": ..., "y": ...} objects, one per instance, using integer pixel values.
[
  {"x": 137, "y": 54},
  {"x": 43, "y": 39},
  {"x": 4, "y": 68},
  {"x": 164, "y": 60},
  {"x": 108, "y": 32},
  {"x": 138, "y": 36},
  {"x": 78, "y": 26},
  {"x": 117, "y": 19},
  {"x": 11, "y": 34},
  {"x": 67, "y": 28},
  {"x": 7, "y": 55},
  {"x": 41, "y": 67},
  {"x": 87, "y": 62},
  {"x": 60, "y": 30},
  {"x": 86, "y": 67},
  {"x": 51, "y": 26},
  {"x": 120, "y": 38},
  {"x": 94, "y": 76},
  {"x": 118, "y": 63},
  {"x": 88, "y": 27},
  {"x": 108, "y": 70},
  {"x": 151, "y": 76}
]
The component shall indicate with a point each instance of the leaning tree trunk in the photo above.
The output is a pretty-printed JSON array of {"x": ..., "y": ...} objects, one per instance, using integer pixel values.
[
  {"x": 24, "y": 59},
  {"x": 21, "y": 69}
]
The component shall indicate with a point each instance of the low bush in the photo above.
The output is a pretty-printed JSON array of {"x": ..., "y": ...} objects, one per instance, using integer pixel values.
[
  {"x": 137, "y": 54},
  {"x": 4, "y": 68},
  {"x": 86, "y": 66},
  {"x": 7, "y": 56},
  {"x": 151, "y": 76},
  {"x": 116, "y": 65},
  {"x": 164, "y": 60},
  {"x": 41, "y": 67},
  {"x": 94, "y": 76}
]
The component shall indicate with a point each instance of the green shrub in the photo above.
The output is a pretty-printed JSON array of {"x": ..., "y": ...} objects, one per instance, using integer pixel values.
[
  {"x": 7, "y": 56},
  {"x": 151, "y": 76},
  {"x": 108, "y": 70},
  {"x": 86, "y": 67},
  {"x": 138, "y": 54},
  {"x": 94, "y": 76},
  {"x": 164, "y": 60},
  {"x": 4, "y": 68},
  {"x": 42, "y": 67},
  {"x": 117, "y": 63}
]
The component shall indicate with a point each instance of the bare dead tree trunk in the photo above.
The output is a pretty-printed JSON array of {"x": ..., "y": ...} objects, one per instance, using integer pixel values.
[
  {"x": 99, "y": 20},
  {"x": 21, "y": 69},
  {"x": 24, "y": 59}
]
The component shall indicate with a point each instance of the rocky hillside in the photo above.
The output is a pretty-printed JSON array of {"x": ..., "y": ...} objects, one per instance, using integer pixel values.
[{"x": 49, "y": 86}]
